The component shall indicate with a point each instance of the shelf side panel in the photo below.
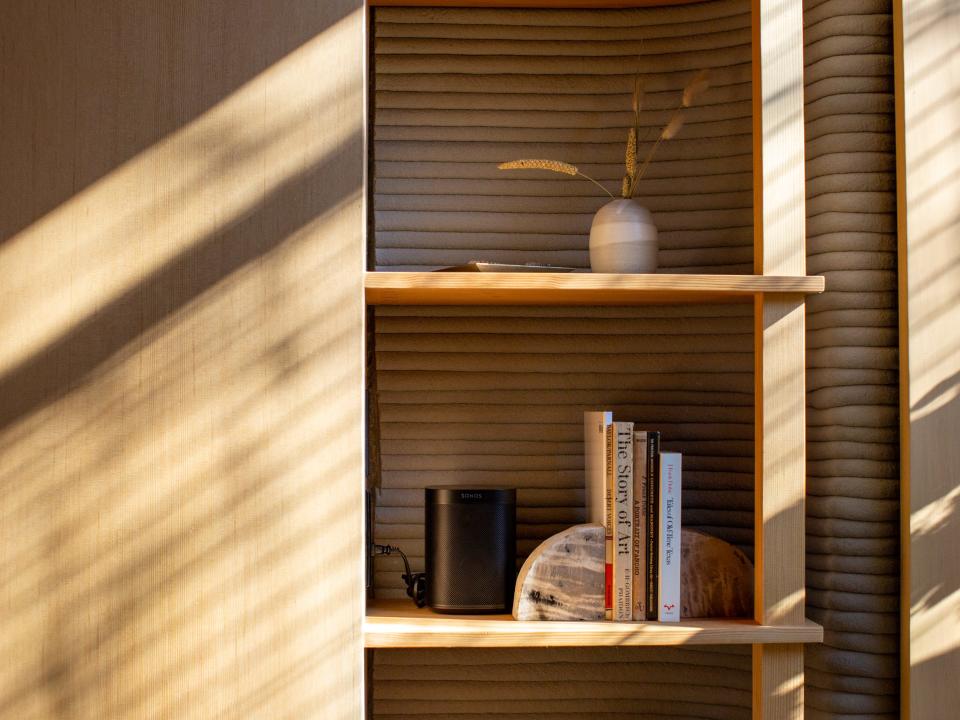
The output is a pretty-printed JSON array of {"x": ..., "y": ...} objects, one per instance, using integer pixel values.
[
  {"x": 780, "y": 460},
  {"x": 778, "y": 682},
  {"x": 779, "y": 249}
]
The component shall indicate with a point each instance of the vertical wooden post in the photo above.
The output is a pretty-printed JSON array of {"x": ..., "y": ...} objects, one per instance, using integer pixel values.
[
  {"x": 780, "y": 478},
  {"x": 779, "y": 226}
]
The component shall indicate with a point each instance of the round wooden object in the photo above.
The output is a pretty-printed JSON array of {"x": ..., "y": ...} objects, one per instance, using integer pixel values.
[{"x": 716, "y": 579}]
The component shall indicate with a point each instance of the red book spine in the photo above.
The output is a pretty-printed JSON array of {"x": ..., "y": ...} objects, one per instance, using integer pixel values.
[
  {"x": 608, "y": 587},
  {"x": 610, "y": 481}
]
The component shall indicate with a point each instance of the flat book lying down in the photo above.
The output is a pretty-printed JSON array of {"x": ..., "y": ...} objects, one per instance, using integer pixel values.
[{"x": 477, "y": 266}]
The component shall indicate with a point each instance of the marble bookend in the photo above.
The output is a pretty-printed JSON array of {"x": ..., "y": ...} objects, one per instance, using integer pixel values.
[{"x": 563, "y": 578}]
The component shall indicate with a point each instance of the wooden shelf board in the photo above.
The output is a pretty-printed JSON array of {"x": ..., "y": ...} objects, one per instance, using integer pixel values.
[
  {"x": 398, "y": 624},
  {"x": 550, "y": 4},
  {"x": 451, "y": 288}
]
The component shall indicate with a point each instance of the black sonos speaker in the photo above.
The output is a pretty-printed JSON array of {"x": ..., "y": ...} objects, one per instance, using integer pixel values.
[{"x": 471, "y": 549}]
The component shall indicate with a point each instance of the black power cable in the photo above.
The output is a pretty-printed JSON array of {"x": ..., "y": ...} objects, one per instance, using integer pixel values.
[{"x": 416, "y": 582}]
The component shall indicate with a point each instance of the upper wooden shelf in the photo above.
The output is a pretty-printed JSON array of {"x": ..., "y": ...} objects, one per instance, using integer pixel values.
[
  {"x": 555, "y": 4},
  {"x": 448, "y": 288},
  {"x": 398, "y": 624}
]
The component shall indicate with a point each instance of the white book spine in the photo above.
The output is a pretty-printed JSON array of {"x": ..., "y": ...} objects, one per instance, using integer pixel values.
[
  {"x": 669, "y": 532},
  {"x": 639, "y": 525},
  {"x": 594, "y": 444},
  {"x": 623, "y": 526}
]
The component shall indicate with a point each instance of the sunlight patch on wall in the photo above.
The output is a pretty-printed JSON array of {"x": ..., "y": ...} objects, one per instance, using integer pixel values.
[
  {"x": 181, "y": 432},
  {"x": 194, "y": 183},
  {"x": 931, "y": 66},
  {"x": 193, "y": 466}
]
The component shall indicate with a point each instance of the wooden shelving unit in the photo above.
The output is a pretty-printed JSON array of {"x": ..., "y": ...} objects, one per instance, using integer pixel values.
[
  {"x": 398, "y": 624},
  {"x": 779, "y": 629},
  {"x": 777, "y": 290}
]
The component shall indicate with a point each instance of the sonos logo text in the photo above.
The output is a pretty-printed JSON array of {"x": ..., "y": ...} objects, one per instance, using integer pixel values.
[{"x": 471, "y": 496}]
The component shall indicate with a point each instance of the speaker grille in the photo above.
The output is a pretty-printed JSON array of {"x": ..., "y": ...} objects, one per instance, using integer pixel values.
[{"x": 470, "y": 556}]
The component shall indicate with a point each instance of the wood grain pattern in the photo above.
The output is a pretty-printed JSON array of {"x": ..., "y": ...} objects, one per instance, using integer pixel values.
[
  {"x": 716, "y": 579},
  {"x": 778, "y": 681},
  {"x": 779, "y": 596},
  {"x": 779, "y": 229},
  {"x": 427, "y": 288},
  {"x": 393, "y": 624},
  {"x": 181, "y": 425},
  {"x": 903, "y": 369},
  {"x": 780, "y": 219},
  {"x": 781, "y": 461},
  {"x": 928, "y": 181},
  {"x": 528, "y": 3}
]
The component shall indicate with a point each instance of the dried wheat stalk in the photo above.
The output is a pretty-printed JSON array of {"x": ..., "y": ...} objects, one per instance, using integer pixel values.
[
  {"x": 697, "y": 84},
  {"x": 628, "y": 188},
  {"x": 557, "y": 166}
]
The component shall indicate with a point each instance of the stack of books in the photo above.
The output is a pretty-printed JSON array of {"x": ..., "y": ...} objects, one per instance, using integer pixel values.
[{"x": 633, "y": 490}]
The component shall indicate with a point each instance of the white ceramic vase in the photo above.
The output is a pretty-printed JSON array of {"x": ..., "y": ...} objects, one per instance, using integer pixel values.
[{"x": 623, "y": 239}]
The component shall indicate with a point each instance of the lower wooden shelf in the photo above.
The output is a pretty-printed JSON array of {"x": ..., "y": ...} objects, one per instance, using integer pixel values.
[{"x": 398, "y": 624}]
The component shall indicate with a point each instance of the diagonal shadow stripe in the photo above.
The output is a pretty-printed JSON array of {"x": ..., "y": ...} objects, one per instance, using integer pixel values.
[
  {"x": 55, "y": 371},
  {"x": 51, "y": 135}
]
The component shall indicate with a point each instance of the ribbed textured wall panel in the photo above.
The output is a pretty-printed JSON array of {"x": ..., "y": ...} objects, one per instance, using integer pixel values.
[
  {"x": 563, "y": 684},
  {"x": 852, "y": 470},
  {"x": 458, "y": 91},
  {"x": 494, "y": 396}
]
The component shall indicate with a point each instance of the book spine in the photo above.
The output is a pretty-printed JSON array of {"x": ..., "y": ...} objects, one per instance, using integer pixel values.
[
  {"x": 608, "y": 519},
  {"x": 639, "y": 525},
  {"x": 670, "y": 537},
  {"x": 594, "y": 461},
  {"x": 653, "y": 492},
  {"x": 623, "y": 529}
]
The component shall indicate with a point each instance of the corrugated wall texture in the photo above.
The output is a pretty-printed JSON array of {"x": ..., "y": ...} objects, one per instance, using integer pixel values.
[
  {"x": 459, "y": 91},
  {"x": 563, "y": 684},
  {"x": 495, "y": 396},
  {"x": 853, "y": 471}
]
